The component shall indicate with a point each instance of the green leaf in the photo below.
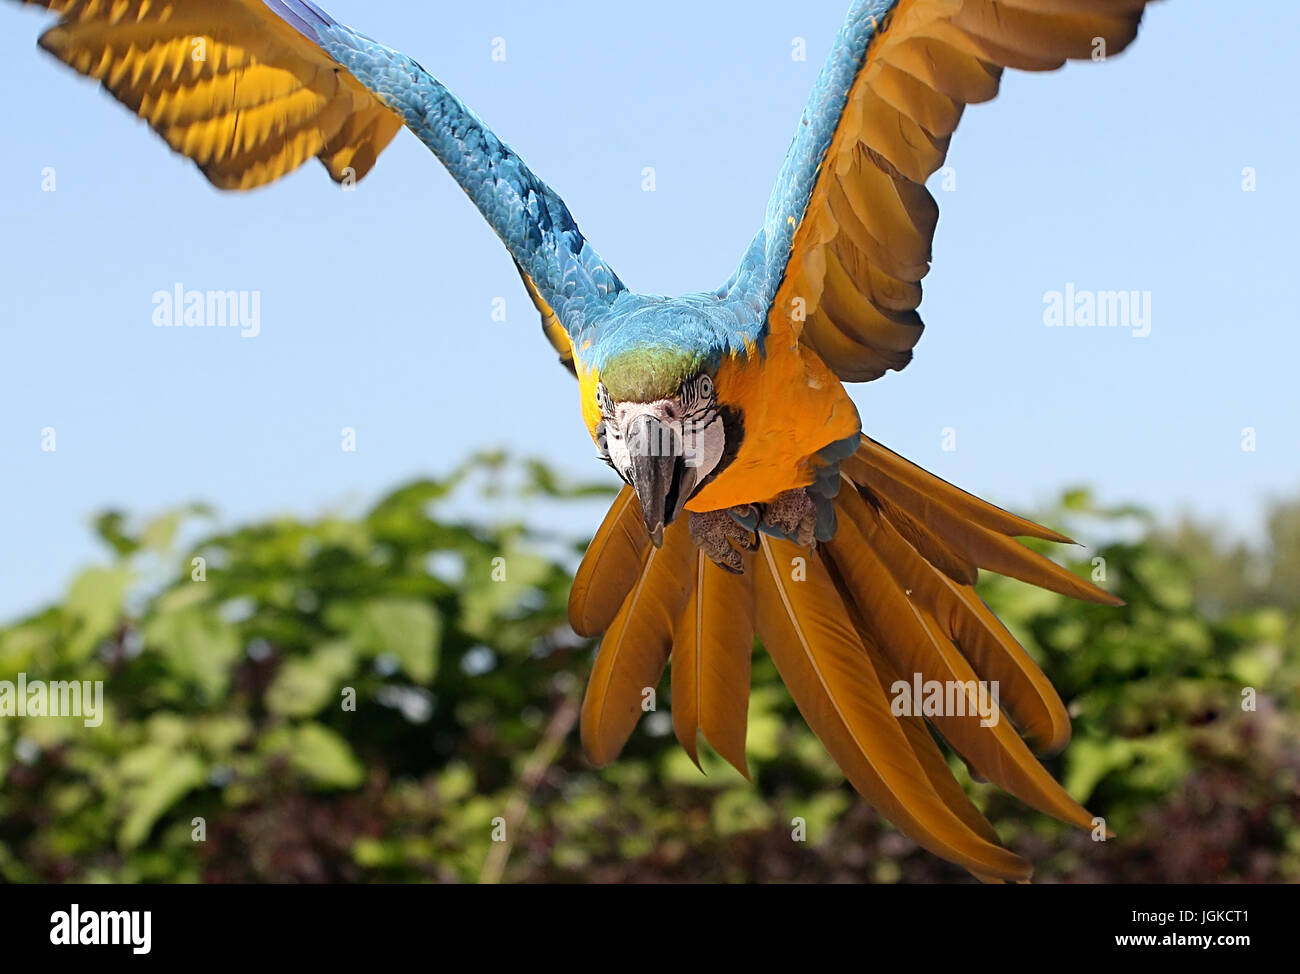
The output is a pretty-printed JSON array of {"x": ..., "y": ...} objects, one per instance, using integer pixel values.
[
  {"x": 741, "y": 809},
  {"x": 110, "y": 526},
  {"x": 93, "y": 606},
  {"x": 198, "y": 648},
  {"x": 820, "y": 813},
  {"x": 407, "y": 629},
  {"x": 306, "y": 684},
  {"x": 159, "y": 533},
  {"x": 498, "y": 586},
  {"x": 317, "y": 753},
  {"x": 150, "y": 800}
]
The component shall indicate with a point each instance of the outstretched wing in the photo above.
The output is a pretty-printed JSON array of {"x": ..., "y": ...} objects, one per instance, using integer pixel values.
[
  {"x": 847, "y": 238},
  {"x": 252, "y": 89}
]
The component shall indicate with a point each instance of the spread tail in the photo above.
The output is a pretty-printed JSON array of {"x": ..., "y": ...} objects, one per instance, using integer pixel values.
[{"x": 888, "y": 605}]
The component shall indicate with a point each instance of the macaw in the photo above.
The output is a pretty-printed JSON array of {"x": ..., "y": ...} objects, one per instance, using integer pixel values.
[{"x": 753, "y": 505}]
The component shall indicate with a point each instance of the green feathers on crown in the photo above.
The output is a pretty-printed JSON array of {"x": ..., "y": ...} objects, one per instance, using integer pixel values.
[{"x": 649, "y": 374}]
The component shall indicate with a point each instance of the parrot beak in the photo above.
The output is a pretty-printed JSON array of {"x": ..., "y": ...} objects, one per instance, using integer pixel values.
[{"x": 658, "y": 472}]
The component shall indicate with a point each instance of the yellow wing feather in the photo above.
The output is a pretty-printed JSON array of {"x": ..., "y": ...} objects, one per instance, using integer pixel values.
[
  {"x": 863, "y": 244},
  {"x": 243, "y": 95},
  {"x": 552, "y": 328}
]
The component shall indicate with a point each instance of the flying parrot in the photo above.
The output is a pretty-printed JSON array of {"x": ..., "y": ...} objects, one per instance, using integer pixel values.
[{"x": 753, "y": 505}]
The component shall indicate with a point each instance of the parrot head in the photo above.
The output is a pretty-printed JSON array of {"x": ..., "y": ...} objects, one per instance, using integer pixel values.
[{"x": 662, "y": 429}]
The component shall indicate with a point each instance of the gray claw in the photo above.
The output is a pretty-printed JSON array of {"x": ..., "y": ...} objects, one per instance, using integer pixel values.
[
  {"x": 715, "y": 533},
  {"x": 793, "y": 514}
]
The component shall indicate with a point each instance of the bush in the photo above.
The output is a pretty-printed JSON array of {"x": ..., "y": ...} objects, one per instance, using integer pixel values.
[{"x": 374, "y": 698}]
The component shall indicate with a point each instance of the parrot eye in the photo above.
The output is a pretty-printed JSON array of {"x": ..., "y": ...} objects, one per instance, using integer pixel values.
[{"x": 697, "y": 392}]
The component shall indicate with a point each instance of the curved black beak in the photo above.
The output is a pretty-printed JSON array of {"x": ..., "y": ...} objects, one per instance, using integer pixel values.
[{"x": 658, "y": 470}]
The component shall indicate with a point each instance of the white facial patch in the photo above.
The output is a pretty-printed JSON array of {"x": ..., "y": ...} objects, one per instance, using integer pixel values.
[
  {"x": 692, "y": 430},
  {"x": 703, "y": 444}
]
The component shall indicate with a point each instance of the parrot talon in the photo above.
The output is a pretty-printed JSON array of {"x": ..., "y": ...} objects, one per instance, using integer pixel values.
[
  {"x": 793, "y": 514},
  {"x": 718, "y": 534}
]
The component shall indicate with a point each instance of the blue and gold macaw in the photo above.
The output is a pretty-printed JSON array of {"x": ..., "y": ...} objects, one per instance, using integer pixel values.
[{"x": 754, "y": 504}]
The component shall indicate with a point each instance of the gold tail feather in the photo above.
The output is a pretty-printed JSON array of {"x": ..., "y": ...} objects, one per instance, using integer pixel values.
[
  {"x": 964, "y": 619},
  {"x": 890, "y": 596},
  {"x": 806, "y": 628},
  {"x": 713, "y": 646},
  {"x": 905, "y": 630},
  {"x": 610, "y": 567},
  {"x": 635, "y": 649}
]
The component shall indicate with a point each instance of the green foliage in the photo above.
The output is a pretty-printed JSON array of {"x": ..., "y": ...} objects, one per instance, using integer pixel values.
[{"x": 371, "y": 698}]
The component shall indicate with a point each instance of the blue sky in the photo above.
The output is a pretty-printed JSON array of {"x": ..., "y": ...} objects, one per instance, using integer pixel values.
[{"x": 376, "y": 306}]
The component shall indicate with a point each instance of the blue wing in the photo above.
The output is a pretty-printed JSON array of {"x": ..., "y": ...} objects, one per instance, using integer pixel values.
[
  {"x": 252, "y": 89},
  {"x": 528, "y": 216},
  {"x": 847, "y": 238}
]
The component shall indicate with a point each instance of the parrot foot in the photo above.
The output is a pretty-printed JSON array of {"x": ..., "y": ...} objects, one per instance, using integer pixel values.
[
  {"x": 793, "y": 514},
  {"x": 714, "y": 532}
]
